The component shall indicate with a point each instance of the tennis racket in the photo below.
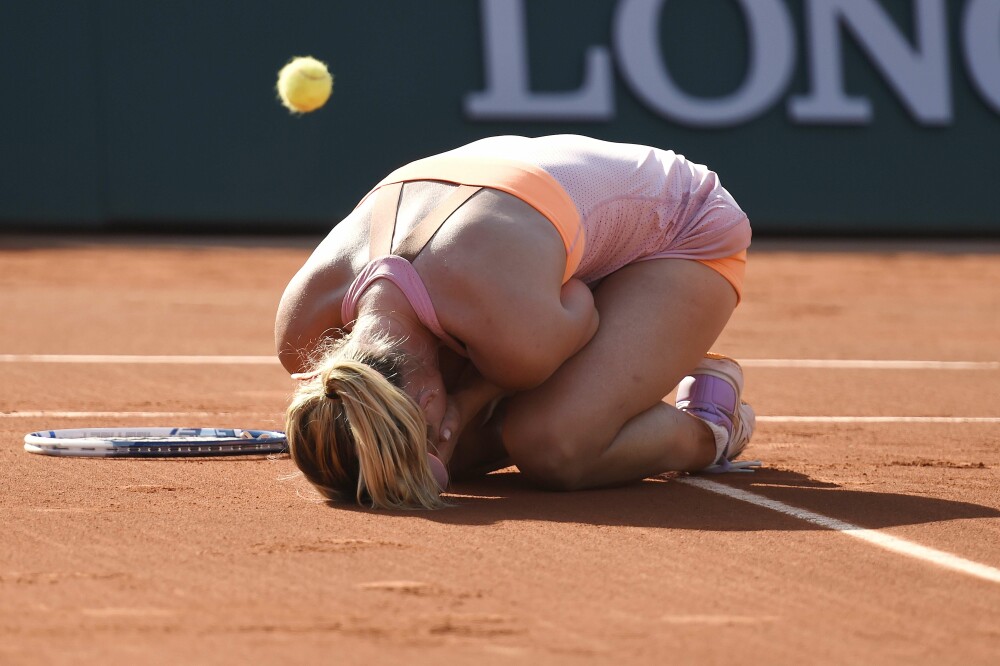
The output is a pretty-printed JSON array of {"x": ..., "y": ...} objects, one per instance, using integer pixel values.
[{"x": 154, "y": 442}]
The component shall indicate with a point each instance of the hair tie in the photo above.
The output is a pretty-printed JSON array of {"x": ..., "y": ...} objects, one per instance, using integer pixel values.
[{"x": 332, "y": 395}]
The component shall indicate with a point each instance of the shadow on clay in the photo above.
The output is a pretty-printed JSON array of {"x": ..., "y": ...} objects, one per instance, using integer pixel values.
[{"x": 665, "y": 502}]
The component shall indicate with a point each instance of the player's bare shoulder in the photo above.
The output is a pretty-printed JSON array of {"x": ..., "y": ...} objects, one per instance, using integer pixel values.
[{"x": 310, "y": 305}]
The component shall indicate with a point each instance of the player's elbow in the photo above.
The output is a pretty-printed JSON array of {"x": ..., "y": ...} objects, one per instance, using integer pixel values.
[
  {"x": 288, "y": 349},
  {"x": 290, "y": 361}
]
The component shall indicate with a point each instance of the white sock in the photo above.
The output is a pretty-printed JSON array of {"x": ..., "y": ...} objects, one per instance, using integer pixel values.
[{"x": 721, "y": 439}]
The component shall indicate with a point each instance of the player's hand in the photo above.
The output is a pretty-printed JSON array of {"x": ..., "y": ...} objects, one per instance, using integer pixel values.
[{"x": 451, "y": 429}]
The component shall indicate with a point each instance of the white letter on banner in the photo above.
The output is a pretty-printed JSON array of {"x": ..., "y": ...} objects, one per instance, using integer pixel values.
[
  {"x": 507, "y": 95},
  {"x": 919, "y": 76},
  {"x": 981, "y": 43},
  {"x": 771, "y": 60}
]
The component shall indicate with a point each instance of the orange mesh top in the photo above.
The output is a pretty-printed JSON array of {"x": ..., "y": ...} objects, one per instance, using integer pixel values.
[{"x": 525, "y": 181}]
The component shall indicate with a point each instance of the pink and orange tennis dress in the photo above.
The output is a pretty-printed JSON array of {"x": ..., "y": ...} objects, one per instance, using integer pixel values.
[{"x": 612, "y": 203}]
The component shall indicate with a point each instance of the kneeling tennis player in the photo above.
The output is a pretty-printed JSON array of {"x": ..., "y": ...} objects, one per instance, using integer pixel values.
[{"x": 526, "y": 297}]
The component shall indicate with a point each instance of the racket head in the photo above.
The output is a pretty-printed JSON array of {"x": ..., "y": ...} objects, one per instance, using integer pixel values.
[{"x": 154, "y": 442}]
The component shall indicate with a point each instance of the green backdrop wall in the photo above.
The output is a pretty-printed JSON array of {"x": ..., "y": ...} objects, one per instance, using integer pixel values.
[{"x": 821, "y": 116}]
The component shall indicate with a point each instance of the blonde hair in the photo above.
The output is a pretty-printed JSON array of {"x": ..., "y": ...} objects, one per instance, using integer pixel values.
[{"x": 355, "y": 434}]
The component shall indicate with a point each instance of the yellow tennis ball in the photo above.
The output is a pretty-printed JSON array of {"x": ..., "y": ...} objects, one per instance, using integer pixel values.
[{"x": 304, "y": 84}]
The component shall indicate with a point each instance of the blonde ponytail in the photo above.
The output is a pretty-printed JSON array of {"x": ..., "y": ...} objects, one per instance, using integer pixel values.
[{"x": 355, "y": 434}]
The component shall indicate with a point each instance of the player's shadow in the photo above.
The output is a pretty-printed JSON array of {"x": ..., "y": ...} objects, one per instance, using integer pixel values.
[{"x": 669, "y": 503}]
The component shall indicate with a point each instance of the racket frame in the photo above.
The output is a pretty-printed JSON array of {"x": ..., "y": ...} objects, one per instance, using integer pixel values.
[{"x": 154, "y": 442}]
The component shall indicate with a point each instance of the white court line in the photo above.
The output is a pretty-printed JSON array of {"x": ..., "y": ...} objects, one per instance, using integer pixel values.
[
  {"x": 839, "y": 364},
  {"x": 878, "y": 419},
  {"x": 874, "y": 537}
]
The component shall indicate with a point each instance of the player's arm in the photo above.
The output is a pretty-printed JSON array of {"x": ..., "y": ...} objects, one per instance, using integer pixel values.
[
  {"x": 472, "y": 397},
  {"x": 530, "y": 336}
]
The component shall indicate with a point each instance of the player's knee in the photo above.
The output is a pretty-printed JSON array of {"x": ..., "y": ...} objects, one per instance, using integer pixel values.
[{"x": 548, "y": 456}]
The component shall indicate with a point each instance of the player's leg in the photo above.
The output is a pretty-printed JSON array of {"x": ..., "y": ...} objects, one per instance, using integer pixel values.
[{"x": 600, "y": 419}]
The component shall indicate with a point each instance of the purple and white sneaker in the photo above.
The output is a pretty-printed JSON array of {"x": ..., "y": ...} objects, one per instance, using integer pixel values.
[{"x": 712, "y": 393}]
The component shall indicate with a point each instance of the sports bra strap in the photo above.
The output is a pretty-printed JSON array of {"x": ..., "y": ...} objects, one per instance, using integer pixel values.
[
  {"x": 401, "y": 273},
  {"x": 423, "y": 231},
  {"x": 383, "y": 221}
]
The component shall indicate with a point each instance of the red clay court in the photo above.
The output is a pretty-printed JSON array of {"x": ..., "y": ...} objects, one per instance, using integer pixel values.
[{"x": 872, "y": 534}]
